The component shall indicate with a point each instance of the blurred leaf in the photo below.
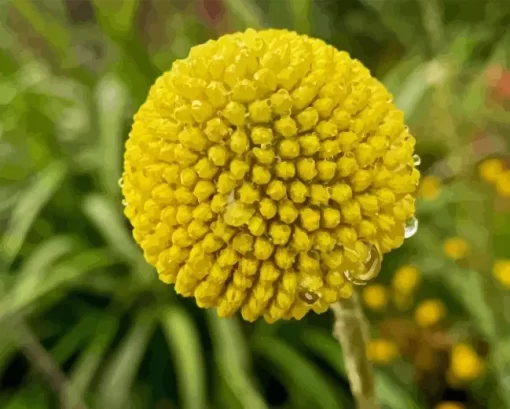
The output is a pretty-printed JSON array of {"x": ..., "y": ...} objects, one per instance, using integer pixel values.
[
  {"x": 35, "y": 267},
  {"x": 469, "y": 288},
  {"x": 184, "y": 342},
  {"x": 106, "y": 217},
  {"x": 74, "y": 338},
  {"x": 297, "y": 372},
  {"x": 300, "y": 10},
  {"x": 90, "y": 360},
  {"x": 117, "y": 15},
  {"x": 55, "y": 34},
  {"x": 247, "y": 12},
  {"x": 392, "y": 394},
  {"x": 111, "y": 96},
  {"x": 119, "y": 376},
  {"x": 231, "y": 355},
  {"x": 67, "y": 272},
  {"x": 30, "y": 203}
]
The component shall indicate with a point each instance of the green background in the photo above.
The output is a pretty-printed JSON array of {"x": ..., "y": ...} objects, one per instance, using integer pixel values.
[{"x": 76, "y": 297}]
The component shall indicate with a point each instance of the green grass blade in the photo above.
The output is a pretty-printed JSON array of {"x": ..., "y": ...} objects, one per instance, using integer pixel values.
[
  {"x": 89, "y": 362},
  {"x": 35, "y": 268},
  {"x": 108, "y": 220},
  {"x": 184, "y": 342},
  {"x": 390, "y": 393},
  {"x": 67, "y": 273},
  {"x": 120, "y": 374},
  {"x": 231, "y": 356},
  {"x": 111, "y": 101},
  {"x": 30, "y": 203},
  {"x": 300, "y": 375},
  {"x": 300, "y": 10}
]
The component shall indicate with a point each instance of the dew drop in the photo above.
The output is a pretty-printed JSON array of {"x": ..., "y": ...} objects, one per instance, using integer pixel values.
[
  {"x": 308, "y": 297},
  {"x": 120, "y": 182},
  {"x": 367, "y": 269},
  {"x": 410, "y": 227},
  {"x": 350, "y": 276},
  {"x": 416, "y": 160}
]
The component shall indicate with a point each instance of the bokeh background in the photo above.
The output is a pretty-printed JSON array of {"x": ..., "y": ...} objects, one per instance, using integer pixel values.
[{"x": 84, "y": 323}]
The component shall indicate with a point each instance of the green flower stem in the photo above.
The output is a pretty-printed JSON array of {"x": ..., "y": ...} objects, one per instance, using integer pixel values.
[{"x": 351, "y": 330}]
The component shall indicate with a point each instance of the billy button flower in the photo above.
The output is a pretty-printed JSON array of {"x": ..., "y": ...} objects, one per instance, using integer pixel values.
[
  {"x": 382, "y": 351},
  {"x": 268, "y": 172},
  {"x": 430, "y": 188},
  {"x": 501, "y": 271},
  {"x": 465, "y": 364},
  {"x": 490, "y": 169},
  {"x": 429, "y": 313},
  {"x": 456, "y": 248}
]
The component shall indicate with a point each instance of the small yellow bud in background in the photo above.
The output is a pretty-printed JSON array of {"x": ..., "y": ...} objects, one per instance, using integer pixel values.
[
  {"x": 406, "y": 279},
  {"x": 375, "y": 297},
  {"x": 501, "y": 271},
  {"x": 456, "y": 248},
  {"x": 429, "y": 188},
  {"x": 465, "y": 364},
  {"x": 429, "y": 313},
  {"x": 490, "y": 169},
  {"x": 382, "y": 351},
  {"x": 503, "y": 184}
]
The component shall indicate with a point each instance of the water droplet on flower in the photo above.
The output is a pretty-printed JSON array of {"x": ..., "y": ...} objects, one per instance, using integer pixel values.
[
  {"x": 366, "y": 269},
  {"x": 308, "y": 296},
  {"x": 416, "y": 160},
  {"x": 120, "y": 182},
  {"x": 350, "y": 276},
  {"x": 410, "y": 227}
]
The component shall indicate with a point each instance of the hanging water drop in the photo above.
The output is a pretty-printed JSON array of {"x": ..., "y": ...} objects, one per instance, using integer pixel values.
[
  {"x": 410, "y": 227},
  {"x": 416, "y": 160},
  {"x": 349, "y": 275}
]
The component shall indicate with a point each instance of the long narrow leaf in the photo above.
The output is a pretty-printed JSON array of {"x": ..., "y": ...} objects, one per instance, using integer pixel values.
[
  {"x": 232, "y": 360},
  {"x": 121, "y": 371},
  {"x": 297, "y": 372},
  {"x": 184, "y": 342},
  {"x": 28, "y": 207},
  {"x": 111, "y": 100}
]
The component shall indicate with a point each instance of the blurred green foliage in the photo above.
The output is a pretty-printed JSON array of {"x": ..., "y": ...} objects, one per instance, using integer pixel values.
[{"x": 72, "y": 74}]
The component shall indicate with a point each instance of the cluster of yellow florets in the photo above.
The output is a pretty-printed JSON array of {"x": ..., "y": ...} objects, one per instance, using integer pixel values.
[{"x": 263, "y": 170}]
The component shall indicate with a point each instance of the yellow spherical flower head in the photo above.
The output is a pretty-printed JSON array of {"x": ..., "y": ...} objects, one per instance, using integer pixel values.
[
  {"x": 465, "y": 364},
  {"x": 490, "y": 169},
  {"x": 456, "y": 248},
  {"x": 382, "y": 351},
  {"x": 375, "y": 297},
  {"x": 264, "y": 168},
  {"x": 430, "y": 187},
  {"x": 406, "y": 279},
  {"x": 501, "y": 271},
  {"x": 449, "y": 405},
  {"x": 429, "y": 313}
]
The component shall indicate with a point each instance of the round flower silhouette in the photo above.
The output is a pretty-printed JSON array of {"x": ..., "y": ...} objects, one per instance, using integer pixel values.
[{"x": 268, "y": 172}]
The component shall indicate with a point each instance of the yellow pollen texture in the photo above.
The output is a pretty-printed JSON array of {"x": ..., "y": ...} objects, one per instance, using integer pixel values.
[{"x": 266, "y": 173}]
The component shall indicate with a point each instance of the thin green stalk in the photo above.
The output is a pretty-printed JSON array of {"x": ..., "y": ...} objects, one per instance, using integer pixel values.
[{"x": 351, "y": 330}]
